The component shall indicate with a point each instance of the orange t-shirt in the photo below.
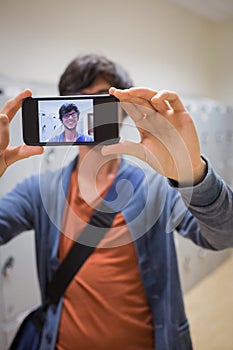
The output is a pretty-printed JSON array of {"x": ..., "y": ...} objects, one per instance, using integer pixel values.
[{"x": 104, "y": 306}]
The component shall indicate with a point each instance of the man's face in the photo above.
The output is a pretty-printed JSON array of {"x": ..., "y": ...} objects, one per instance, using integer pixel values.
[
  {"x": 70, "y": 120},
  {"x": 98, "y": 87}
]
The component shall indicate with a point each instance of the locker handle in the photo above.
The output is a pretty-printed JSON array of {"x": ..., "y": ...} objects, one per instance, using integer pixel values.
[{"x": 8, "y": 266}]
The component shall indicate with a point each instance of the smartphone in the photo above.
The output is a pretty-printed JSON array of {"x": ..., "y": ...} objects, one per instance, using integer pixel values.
[{"x": 70, "y": 120}]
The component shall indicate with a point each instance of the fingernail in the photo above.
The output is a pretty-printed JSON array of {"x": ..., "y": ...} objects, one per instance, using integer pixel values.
[{"x": 112, "y": 90}]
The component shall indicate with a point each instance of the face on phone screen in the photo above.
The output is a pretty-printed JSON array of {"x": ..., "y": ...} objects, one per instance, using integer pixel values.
[
  {"x": 66, "y": 121},
  {"x": 70, "y": 120}
]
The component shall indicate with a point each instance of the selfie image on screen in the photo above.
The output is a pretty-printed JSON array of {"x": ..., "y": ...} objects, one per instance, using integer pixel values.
[{"x": 66, "y": 120}]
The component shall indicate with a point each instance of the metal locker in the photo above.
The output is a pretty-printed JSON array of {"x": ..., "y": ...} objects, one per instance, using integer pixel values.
[
  {"x": 19, "y": 290},
  {"x": 214, "y": 123}
]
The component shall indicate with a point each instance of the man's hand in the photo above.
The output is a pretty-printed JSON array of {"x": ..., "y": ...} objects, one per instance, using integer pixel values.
[
  {"x": 9, "y": 155},
  {"x": 169, "y": 141}
]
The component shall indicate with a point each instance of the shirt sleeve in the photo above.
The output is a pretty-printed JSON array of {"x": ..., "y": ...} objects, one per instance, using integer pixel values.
[
  {"x": 17, "y": 207},
  {"x": 211, "y": 203}
]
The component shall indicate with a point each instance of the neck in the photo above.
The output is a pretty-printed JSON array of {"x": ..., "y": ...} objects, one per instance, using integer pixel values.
[
  {"x": 70, "y": 135},
  {"x": 95, "y": 172},
  {"x": 92, "y": 164}
]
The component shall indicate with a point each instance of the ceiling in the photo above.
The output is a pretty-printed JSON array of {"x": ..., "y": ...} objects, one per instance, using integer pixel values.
[{"x": 214, "y": 10}]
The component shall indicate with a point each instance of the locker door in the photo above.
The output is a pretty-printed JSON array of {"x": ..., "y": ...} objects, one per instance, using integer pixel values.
[{"x": 19, "y": 289}]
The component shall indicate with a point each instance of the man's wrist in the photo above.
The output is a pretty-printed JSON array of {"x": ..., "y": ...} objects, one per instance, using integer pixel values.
[
  {"x": 205, "y": 192},
  {"x": 198, "y": 176},
  {"x": 200, "y": 173}
]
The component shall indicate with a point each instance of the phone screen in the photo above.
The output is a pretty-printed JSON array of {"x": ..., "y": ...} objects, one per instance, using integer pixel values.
[
  {"x": 66, "y": 120},
  {"x": 70, "y": 120}
]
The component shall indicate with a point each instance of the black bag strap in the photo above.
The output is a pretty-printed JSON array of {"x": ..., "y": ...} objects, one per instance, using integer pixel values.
[{"x": 100, "y": 222}]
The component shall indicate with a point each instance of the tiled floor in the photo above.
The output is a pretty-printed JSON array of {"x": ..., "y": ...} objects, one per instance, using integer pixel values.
[{"x": 209, "y": 306}]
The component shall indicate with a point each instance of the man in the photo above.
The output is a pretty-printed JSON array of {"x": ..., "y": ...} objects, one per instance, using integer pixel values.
[
  {"x": 69, "y": 116},
  {"x": 127, "y": 295}
]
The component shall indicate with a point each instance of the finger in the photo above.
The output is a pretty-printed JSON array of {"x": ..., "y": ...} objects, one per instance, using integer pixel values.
[
  {"x": 131, "y": 96},
  {"x": 136, "y": 107},
  {"x": 141, "y": 96},
  {"x": 161, "y": 106},
  {"x": 142, "y": 92},
  {"x": 21, "y": 152},
  {"x": 147, "y": 94},
  {"x": 170, "y": 96},
  {"x": 4, "y": 132},
  {"x": 125, "y": 102},
  {"x": 122, "y": 95},
  {"x": 13, "y": 105},
  {"x": 132, "y": 111}
]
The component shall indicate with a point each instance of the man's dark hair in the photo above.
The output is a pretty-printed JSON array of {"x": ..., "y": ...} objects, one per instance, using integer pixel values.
[
  {"x": 83, "y": 71},
  {"x": 67, "y": 108}
]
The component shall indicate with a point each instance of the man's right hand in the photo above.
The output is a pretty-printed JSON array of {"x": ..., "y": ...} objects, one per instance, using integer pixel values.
[{"x": 9, "y": 155}]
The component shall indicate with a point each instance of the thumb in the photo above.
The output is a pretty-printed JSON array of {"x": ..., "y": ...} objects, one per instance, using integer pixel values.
[
  {"x": 125, "y": 147},
  {"x": 4, "y": 132},
  {"x": 20, "y": 152}
]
